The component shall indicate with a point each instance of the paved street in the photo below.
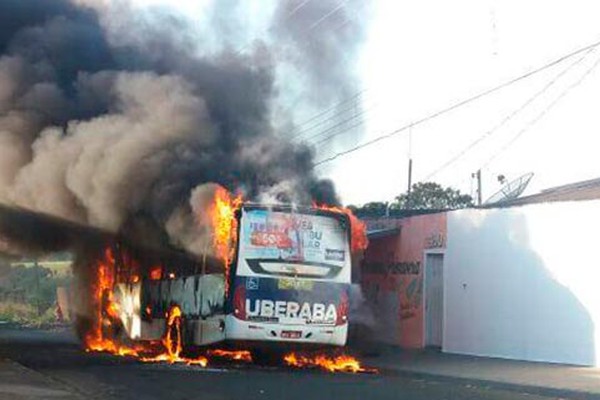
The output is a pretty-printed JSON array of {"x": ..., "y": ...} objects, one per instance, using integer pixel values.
[{"x": 49, "y": 364}]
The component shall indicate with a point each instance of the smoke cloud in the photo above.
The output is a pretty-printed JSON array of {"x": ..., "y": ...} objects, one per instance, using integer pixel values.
[{"x": 121, "y": 117}]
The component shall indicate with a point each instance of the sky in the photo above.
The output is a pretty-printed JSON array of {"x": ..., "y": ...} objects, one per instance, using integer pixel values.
[{"x": 420, "y": 57}]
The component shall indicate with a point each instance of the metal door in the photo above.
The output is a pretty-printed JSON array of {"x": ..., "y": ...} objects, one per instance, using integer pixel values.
[{"x": 434, "y": 299}]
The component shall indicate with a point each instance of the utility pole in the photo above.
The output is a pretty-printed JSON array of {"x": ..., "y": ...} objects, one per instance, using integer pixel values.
[
  {"x": 409, "y": 159},
  {"x": 477, "y": 175},
  {"x": 36, "y": 272},
  {"x": 409, "y": 174}
]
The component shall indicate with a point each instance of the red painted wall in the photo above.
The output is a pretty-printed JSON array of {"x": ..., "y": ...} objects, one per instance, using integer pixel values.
[{"x": 392, "y": 276}]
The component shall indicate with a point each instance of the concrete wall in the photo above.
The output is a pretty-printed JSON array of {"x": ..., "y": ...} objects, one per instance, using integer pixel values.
[
  {"x": 392, "y": 277},
  {"x": 524, "y": 283}
]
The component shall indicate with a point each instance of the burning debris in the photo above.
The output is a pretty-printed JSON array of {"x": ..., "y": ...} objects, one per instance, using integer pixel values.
[
  {"x": 236, "y": 355},
  {"x": 335, "y": 363}
]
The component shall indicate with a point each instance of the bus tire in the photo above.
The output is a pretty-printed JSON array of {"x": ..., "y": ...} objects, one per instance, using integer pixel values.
[{"x": 174, "y": 337}]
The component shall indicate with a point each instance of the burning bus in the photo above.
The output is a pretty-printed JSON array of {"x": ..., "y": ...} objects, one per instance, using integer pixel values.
[
  {"x": 278, "y": 275},
  {"x": 291, "y": 276}
]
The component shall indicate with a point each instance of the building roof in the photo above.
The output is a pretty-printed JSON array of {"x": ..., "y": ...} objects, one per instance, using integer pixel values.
[
  {"x": 378, "y": 233},
  {"x": 584, "y": 190},
  {"x": 397, "y": 213}
]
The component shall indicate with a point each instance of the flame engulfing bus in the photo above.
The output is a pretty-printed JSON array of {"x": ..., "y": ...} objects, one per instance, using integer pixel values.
[{"x": 286, "y": 280}]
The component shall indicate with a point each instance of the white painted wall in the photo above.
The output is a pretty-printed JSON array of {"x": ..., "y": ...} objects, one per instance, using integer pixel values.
[{"x": 524, "y": 283}]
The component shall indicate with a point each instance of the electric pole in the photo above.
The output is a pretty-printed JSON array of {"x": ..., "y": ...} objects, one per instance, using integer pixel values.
[
  {"x": 477, "y": 175},
  {"x": 409, "y": 159},
  {"x": 409, "y": 174}
]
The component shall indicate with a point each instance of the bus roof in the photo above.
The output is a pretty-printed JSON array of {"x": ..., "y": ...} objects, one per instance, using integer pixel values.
[{"x": 298, "y": 209}]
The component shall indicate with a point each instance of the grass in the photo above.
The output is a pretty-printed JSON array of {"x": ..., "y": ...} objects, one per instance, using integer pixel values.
[
  {"x": 26, "y": 314},
  {"x": 28, "y": 294}
]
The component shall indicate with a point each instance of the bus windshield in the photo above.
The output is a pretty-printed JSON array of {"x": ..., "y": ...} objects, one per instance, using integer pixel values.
[{"x": 293, "y": 244}]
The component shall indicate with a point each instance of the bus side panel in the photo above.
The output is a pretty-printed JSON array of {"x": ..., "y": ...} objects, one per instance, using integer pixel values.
[{"x": 144, "y": 307}]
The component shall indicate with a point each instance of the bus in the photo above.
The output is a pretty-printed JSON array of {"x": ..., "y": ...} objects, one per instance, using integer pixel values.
[
  {"x": 290, "y": 280},
  {"x": 287, "y": 281}
]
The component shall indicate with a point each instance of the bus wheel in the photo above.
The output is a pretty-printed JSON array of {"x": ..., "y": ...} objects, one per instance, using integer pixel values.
[{"x": 173, "y": 340}]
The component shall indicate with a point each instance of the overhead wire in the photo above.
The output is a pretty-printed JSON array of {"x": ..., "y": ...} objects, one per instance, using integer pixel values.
[
  {"x": 329, "y": 14},
  {"x": 294, "y": 11},
  {"x": 544, "y": 112},
  {"x": 458, "y": 104},
  {"x": 298, "y": 7},
  {"x": 509, "y": 117},
  {"x": 314, "y": 122},
  {"x": 319, "y": 21},
  {"x": 359, "y": 116}
]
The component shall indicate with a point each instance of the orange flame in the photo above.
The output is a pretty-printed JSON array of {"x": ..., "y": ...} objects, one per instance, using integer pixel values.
[
  {"x": 106, "y": 311},
  {"x": 173, "y": 343},
  {"x": 238, "y": 355},
  {"x": 340, "y": 363},
  {"x": 156, "y": 273},
  {"x": 168, "y": 350},
  {"x": 107, "y": 314},
  {"x": 224, "y": 226},
  {"x": 358, "y": 228}
]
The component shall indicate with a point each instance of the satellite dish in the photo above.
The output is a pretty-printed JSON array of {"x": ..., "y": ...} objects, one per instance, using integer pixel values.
[{"x": 511, "y": 190}]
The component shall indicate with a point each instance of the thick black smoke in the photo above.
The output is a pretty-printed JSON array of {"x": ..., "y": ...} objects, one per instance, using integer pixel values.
[{"x": 120, "y": 118}]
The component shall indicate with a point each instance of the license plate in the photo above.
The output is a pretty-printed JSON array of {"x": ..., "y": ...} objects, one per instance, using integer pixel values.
[
  {"x": 294, "y": 284},
  {"x": 291, "y": 334}
]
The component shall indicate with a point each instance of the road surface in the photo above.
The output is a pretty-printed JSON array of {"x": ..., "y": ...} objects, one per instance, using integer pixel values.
[{"x": 55, "y": 356}]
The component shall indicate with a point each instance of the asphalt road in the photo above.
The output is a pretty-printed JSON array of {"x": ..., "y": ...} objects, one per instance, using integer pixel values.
[{"x": 56, "y": 355}]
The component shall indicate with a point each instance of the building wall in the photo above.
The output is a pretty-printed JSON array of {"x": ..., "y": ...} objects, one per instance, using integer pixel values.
[
  {"x": 523, "y": 283},
  {"x": 392, "y": 277}
]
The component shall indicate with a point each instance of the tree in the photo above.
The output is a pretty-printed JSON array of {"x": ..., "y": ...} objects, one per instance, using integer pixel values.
[
  {"x": 432, "y": 196},
  {"x": 423, "y": 196}
]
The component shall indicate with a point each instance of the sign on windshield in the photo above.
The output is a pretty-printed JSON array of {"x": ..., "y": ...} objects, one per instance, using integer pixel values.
[{"x": 297, "y": 239}]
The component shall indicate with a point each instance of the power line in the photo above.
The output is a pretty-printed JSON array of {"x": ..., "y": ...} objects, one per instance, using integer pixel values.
[
  {"x": 352, "y": 99},
  {"x": 329, "y": 14},
  {"x": 241, "y": 49},
  {"x": 341, "y": 123},
  {"x": 458, "y": 104},
  {"x": 298, "y": 7},
  {"x": 544, "y": 112},
  {"x": 360, "y": 116},
  {"x": 509, "y": 117}
]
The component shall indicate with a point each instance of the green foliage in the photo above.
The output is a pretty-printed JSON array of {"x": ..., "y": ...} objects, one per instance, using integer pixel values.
[
  {"x": 28, "y": 294},
  {"x": 432, "y": 196},
  {"x": 26, "y": 314},
  {"x": 17, "y": 312},
  {"x": 423, "y": 196}
]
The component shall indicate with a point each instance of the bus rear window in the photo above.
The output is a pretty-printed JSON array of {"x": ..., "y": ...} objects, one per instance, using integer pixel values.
[{"x": 292, "y": 244}]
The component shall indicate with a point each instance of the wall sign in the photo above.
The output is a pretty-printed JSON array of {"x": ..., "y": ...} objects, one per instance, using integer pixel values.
[{"x": 435, "y": 241}]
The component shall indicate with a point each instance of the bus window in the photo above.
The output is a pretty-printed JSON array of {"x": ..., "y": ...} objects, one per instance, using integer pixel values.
[{"x": 285, "y": 244}]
